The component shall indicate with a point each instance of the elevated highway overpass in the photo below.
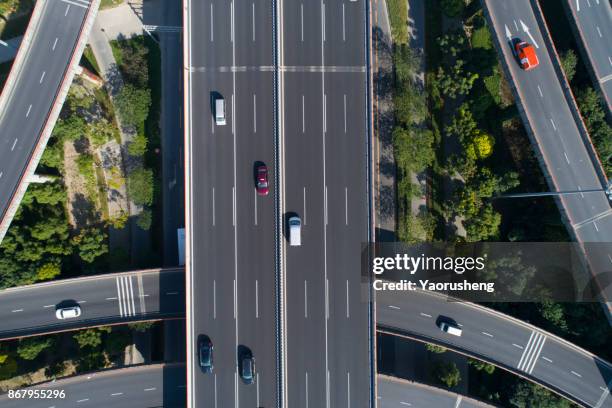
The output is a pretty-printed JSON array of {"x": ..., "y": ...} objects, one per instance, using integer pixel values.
[
  {"x": 35, "y": 91},
  {"x": 104, "y": 299}
]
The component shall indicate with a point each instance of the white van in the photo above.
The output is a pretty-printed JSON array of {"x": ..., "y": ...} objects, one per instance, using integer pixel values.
[
  {"x": 295, "y": 231},
  {"x": 450, "y": 329},
  {"x": 220, "y": 111}
]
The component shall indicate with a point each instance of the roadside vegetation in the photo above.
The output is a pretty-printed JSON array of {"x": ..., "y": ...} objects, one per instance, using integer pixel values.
[
  {"x": 465, "y": 133},
  {"x": 44, "y": 358},
  {"x": 138, "y": 105}
]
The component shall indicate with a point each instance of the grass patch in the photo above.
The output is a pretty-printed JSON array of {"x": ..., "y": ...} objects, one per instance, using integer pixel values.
[
  {"x": 481, "y": 38},
  {"x": 398, "y": 16},
  {"x": 106, "y": 4},
  {"x": 89, "y": 61},
  {"x": 493, "y": 85}
]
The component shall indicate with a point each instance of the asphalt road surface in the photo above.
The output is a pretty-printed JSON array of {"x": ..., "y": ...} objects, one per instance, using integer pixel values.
[
  {"x": 104, "y": 299},
  {"x": 136, "y": 387},
  {"x": 35, "y": 90},
  {"x": 557, "y": 136},
  {"x": 233, "y": 230},
  {"x": 500, "y": 340},
  {"x": 323, "y": 99},
  {"x": 594, "y": 22},
  {"x": 397, "y": 393}
]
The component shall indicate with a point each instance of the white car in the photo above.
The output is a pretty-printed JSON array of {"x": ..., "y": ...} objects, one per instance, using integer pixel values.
[
  {"x": 68, "y": 312},
  {"x": 450, "y": 329}
]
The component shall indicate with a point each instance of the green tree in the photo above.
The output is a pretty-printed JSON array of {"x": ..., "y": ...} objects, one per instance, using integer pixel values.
[
  {"x": 100, "y": 132},
  {"x": 91, "y": 243},
  {"x": 435, "y": 348},
  {"x": 138, "y": 146},
  {"x": 447, "y": 373},
  {"x": 455, "y": 81},
  {"x": 480, "y": 145},
  {"x": 410, "y": 106},
  {"x": 593, "y": 112},
  {"x": 463, "y": 124},
  {"x": 452, "y": 43},
  {"x": 529, "y": 395},
  {"x": 53, "y": 156},
  {"x": 481, "y": 365},
  {"x": 134, "y": 61},
  {"x": 49, "y": 270},
  {"x": 30, "y": 348},
  {"x": 569, "y": 60},
  {"x": 133, "y": 105},
  {"x": 141, "y": 327},
  {"x": 45, "y": 193},
  {"x": 91, "y": 338},
  {"x": 553, "y": 313},
  {"x": 69, "y": 129},
  {"x": 413, "y": 148},
  {"x": 145, "y": 218},
  {"x": 405, "y": 63},
  {"x": 484, "y": 225},
  {"x": 8, "y": 368},
  {"x": 140, "y": 186}
]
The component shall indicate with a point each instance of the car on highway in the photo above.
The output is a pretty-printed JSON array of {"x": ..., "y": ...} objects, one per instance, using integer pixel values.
[
  {"x": 295, "y": 231},
  {"x": 69, "y": 312},
  {"x": 246, "y": 367},
  {"x": 220, "y": 111},
  {"x": 450, "y": 327},
  {"x": 205, "y": 354},
  {"x": 262, "y": 180},
  {"x": 526, "y": 54}
]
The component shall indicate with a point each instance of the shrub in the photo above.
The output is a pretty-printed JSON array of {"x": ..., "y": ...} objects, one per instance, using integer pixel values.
[{"x": 140, "y": 186}]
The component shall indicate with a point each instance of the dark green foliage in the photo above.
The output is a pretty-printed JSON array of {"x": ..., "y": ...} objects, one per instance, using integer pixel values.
[
  {"x": 481, "y": 365},
  {"x": 141, "y": 326},
  {"x": 145, "y": 218},
  {"x": 140, "y": 186},
  {"x": 71, "y": 128},
  {"x": 528, "y": 395},
  {"x": 133, "y": 105},
  {"x": 91, "y": 243},
  {"x": 30, "y": 348},
  {"x": 138, "y": 146},
  {"x": 569, "y": 60},
  {"x": 593, "y": 113},
  {"x": 91, "y": 338},
  {"x": 447, "y": 374},
  {"x": 452, "y": 8}
]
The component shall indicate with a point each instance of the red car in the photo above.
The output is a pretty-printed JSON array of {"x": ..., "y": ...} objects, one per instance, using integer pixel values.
[
  {"x": 526, "y": 55},
  {"x": 262, "y": 180}
]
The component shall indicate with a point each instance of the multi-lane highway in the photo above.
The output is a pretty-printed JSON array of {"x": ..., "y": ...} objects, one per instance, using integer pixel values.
[
  {"x": 593, "y": 23},
  {"x": 397, "y": 393},
  {"x": 324, "y": 156},
  {"x": 32, "y": 99},
  {"x": 104, "y": 299},
  {"x": 557, "y": 137},
  {"x": 501, "y": 340},
  {"x": 146, "y": 386},
  {"x": 230, "y": 229}
]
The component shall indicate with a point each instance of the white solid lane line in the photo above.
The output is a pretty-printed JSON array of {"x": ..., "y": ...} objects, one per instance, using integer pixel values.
[
  {"x": 345, "y": 205},
  {"x": 540, "y": 92},
  {"x": 599, "y": 32},
  {"x": 253, "y": 22},
  {"x": 150, "y": 389},
  {"x": 302, "y": 19},
  {"x": 344, "y": 113},
  {"x": 54, "y": 44},
  {"x": 255, "y": 206},
  {"x": 458, "y": 401},
  {"x": 256, "y": 301},
  {"x": 116, "y": 393},
  {"x": 325, "y": 206},
  {"x": 254, "y": 113},
  {"x": 348, "y": 315},
  {"x": 16, "y": 310},
  {"x": 305, "y": 299},
  {"x": 214, "y": 299},
  {"x": 28, "y": 112},
  {"x": 304, "y": 205},
  {"x": 14, "y": 144},
  {"x": 67, "y": 9},
  {"x": 213, "y": 206},
  {"x": 394, "y": 307},
  {"x": 306, "y": 389},
  {"x": 425, "y": 314},
  {"x": 212, "y": 34},
  {"x": 487, "y": 334},
  {"x": 547, "y": 359},
  {"x": 343, "y": 25},
  {"x": 553, "y": 124},
  {"x": 576, "y": 374},
  {"x": 303, "y": 116},
  {"x": 42, "y": 77}
]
